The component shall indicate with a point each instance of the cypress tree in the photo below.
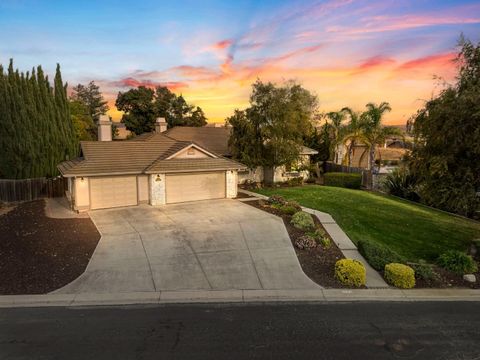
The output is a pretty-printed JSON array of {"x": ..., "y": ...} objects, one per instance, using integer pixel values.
[{"x": 36, "y": 130}]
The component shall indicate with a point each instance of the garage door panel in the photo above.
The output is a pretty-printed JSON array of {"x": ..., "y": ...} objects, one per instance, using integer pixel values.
[
  {"x": 191, "y": 187},
  {"x": 113, "y": 192}
]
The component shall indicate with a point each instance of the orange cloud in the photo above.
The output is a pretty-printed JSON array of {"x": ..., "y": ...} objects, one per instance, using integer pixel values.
[{"x": 432, "y": 61}]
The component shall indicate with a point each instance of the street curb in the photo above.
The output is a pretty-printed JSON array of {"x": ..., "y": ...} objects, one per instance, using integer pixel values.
[{"x": 238, "y": 296}]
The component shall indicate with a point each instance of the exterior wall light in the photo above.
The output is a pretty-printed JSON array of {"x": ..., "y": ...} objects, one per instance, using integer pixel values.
[
  {"x": 82, "y": 179},
  {"x": 158, "y": 178}
]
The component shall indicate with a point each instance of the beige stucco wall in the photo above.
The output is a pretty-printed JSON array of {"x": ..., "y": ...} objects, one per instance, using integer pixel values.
[
  {"x": 142, "y": 181},
  {"x": 191, "y": 153},
  {"x": 232, "y": 183},
  {"x": 255, "y": 175},
  {"x": 157, "y": 189},
  {"x": 82, "y": 194}
]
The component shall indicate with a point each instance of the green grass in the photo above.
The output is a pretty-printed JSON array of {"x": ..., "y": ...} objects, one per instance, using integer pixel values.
[{"x": 414, "y": 231}]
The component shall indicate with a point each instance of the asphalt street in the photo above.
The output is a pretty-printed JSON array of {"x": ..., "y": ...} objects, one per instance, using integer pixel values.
[{"x": 416, "y": 330}]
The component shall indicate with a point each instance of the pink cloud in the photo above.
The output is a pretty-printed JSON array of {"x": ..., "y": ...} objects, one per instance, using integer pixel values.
[
  {"x": 131, "y": 82},
  {"x": 396, "y": 23}
]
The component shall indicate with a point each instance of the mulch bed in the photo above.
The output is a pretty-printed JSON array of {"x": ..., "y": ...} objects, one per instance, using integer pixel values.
[
  {"x": 39, "y": 254},
  {"x": 447, "y": 280},
  {"x": 317, "y": 263}
]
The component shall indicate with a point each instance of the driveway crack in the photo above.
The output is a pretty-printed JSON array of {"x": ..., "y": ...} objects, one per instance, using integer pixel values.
[
  {"x": 250, "y": 254},
  {"x": 148, "y": 261}
]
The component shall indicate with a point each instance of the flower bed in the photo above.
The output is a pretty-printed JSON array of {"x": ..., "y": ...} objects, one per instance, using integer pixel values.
[{"x": 318, "y": 262}]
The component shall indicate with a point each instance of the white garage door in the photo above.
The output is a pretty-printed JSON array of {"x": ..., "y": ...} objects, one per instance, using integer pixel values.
[
  {"x": 191, "y": 187},
  {"x": 108, "y": 192}
]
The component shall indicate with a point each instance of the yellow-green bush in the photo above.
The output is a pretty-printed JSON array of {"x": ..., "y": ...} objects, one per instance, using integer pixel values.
[
  {"x": 399, "y": 275},
  {"x": 350, "y": 272}
]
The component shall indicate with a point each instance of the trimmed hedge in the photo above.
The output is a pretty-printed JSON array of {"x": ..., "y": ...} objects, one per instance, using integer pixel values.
[
  {"x": 346, "y": 180},
  {"x": 400, "y": 276},
  {"x": 378, "y": 255},
  {"x": 350, "y": 272}
]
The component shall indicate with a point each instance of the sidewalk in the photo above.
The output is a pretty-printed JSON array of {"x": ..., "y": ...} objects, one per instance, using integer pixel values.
[
  {"x": 237, "y": 296},
  {"x": 346, "y": 246}
]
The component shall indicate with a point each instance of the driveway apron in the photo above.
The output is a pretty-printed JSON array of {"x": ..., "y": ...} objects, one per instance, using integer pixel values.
[{"x": 204, "y": 245}]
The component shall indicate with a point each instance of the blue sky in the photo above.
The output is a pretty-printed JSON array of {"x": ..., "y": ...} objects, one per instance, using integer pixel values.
[{"x": 348, "y": 52}]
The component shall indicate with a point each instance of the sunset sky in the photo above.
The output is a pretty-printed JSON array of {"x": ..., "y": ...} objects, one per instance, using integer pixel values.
[{"x": 347, "y": 52}]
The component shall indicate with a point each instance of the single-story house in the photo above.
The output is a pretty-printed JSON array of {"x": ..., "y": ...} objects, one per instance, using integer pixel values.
[
  {"x": 216, "y": 138},
  {"x": 153, "y": 168},
  {"x": 359, "y": 156}
]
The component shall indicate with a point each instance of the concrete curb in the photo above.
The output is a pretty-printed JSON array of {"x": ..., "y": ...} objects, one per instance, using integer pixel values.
[{"x": 237, "y": 296}]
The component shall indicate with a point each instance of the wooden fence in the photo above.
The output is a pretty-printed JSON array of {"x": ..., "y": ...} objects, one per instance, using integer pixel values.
[
  {"x": 31, "y": 189},
  {"x": 332, "y": 167}
]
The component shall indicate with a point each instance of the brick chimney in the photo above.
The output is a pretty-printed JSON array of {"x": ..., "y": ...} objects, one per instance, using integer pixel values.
[
  {"x": 104, "y": 128},
  {"x": 160, "y": 125}
]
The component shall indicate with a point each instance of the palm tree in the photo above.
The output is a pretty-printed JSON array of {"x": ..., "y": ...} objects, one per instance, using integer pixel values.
[
  {"x": 336, "y": 128},
  {"x": 374, "y": 132},
  {"x": 352, "y": 133}
]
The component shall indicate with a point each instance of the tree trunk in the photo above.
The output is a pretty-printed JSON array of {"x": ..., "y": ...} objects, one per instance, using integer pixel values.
[{"x": 371, "y": 166}]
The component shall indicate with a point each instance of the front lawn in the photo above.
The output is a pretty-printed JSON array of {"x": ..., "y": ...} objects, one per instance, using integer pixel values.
[{"x": 412, "y": 230}]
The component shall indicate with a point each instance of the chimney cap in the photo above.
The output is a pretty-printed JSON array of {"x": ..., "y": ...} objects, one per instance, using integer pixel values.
[
  {"x": 104, "y": 119},
  {"x": 161, "y": 120}
]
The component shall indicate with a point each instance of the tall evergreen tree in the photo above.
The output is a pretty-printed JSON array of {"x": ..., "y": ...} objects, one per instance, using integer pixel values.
[{"x": 36, "y": 131}]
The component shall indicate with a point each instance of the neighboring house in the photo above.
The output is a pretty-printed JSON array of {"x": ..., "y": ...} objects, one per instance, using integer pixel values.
[
  {"x": 388, "y": 156},
  {"x": 153, "y": 168},
  {"x": 216, "y": 138},
  {"x": 122, "y": 132}
]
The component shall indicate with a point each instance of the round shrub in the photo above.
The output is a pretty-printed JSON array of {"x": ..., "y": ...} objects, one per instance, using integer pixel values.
[
  {"x": 350, "y": 272},
  {"x": 303, "y": 221},
  {"x": 287, "y": 209},
  {"x": 378, "y": 255},
  {"x": 457, "y": 262},
  {"x": 305, "y": 242},
  {"x": 295, "y": 205},
  {"x": 400, "y": 276},
  {"x": 277, "y": 200}
]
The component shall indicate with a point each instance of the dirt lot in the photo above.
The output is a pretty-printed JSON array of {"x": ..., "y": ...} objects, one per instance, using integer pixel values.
[{"x": 40, "y": 254}]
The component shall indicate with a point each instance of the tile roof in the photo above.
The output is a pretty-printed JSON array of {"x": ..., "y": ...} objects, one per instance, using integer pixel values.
[
  {"x": 134, "y": 157},
  {"x": 212, "y": 138}
]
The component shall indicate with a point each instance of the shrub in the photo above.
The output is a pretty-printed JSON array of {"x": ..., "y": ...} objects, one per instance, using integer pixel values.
[
  {"x": 350, "y": 272},
  {"x": 287, "y": 209},
  {"x": 320, "y": 237},
  {"x": 346, "y": 180},
  {"x": 295, "y": 181},
  {"x": 305, "y": 242},
  {"x": 401, "y": 183},
  {"x": 457, "y": 262},
  {"x": 325, "y": 242},
  {"x": 303, "y": 221},
  {"x": 400, "y": 276},
  {"x": 424, "y": 271},
  {"x": 295, "y": 204},
  {"x": 378, "y": 255},
  {"x": 277, "y": 200}
]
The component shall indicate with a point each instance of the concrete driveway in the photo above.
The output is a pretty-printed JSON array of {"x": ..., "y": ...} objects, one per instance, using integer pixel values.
[{"x": 218, "y": 245}]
